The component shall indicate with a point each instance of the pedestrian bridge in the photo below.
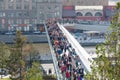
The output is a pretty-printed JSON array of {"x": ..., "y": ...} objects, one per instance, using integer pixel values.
[{"x": 85, "y": 59}]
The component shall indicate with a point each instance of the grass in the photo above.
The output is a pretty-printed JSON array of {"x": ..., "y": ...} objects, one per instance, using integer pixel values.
[{"x": 5, "y": 79}]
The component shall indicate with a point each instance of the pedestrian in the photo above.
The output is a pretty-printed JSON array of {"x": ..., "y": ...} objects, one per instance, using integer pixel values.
[{"x": 67, "y": 75}]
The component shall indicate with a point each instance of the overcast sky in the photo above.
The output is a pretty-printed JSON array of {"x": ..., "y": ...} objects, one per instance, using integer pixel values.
[{"x": 113, "y": 2}]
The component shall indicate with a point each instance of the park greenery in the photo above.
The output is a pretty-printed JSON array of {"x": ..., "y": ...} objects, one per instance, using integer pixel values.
[
  {"x": 107, "y": 64},
  {"x": 13, "y": 60}
]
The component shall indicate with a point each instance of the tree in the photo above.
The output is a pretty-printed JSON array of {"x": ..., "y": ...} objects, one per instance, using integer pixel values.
[
  {"x": 34, "y": 73},
  {"x": 29, "y": 54},
  {"x": 16, "y": 64},
  {"x": 107, "y": 64},
  {"x": 4, "y": 55}
]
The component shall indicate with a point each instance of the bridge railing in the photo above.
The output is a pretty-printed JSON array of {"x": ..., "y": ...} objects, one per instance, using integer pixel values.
[
  {"x": 85, "y": 58},
  {"x": 55, "y": 62}
]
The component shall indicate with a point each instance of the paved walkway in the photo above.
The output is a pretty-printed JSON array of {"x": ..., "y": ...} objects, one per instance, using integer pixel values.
[{"x": 68, "y": 60}]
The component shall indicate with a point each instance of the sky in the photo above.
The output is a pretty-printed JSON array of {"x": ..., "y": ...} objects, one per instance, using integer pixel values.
[{"x": 113, "y": 2}]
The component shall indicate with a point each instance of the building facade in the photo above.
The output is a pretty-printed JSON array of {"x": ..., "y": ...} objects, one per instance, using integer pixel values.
[
  {"x": 85, "y": 2},
  {"x": 17, "y": 15},
  {"x": 48, "y": 10},
  {"x": 94, "y": 13},
  {"x": 24, "y": 15}
]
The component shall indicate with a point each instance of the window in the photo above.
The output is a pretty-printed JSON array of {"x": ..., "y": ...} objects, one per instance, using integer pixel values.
[
  {"x": 49, "y": 15},
  {"x": 26, "y": 14},
  {"x": 26, "y": 0},
  {"x": 88, "y": 14},
  {"x": 41, "y": 7},
  {"x": 41, "y": 16},
  {"x": 33, "y": 6},
  {"x": 2, "y": 6},
  {"x": 26, "y": 21},
  {"x": 26, "y": 6},
  {"x": 2, "y": 14},
  {"x": 98, "y": 14},
  {"x": 34, "y": 21},
  {"x": 18, "y": 0},
  {"x": 10, "y": 21},
  {"x": 10, "y": 1},
  {"x": 18, "y": 14},
  {"x": 44, "y": 0},
  {"x": 18, "y": 6},
  {"x": 10, "y": 6},
  {"x": 10, "y": 14},
  {"x": 3, "y": 21},
  {"x": 18, "y": 28},
  {"x": 33, "y": 14},
  {"x": 79, "y": 14},
  {"x": 57, "y": 14},
  {"x": 49, "y": 7},
  {"x": 33, "y": 0},
  {"x": 18, "y": 21},
  {"x": 56, "y": 7}
]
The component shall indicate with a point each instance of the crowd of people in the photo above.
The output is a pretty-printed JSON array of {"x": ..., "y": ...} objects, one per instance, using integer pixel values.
[
  {"x": 68, "y": 61},
  {"x": 78, "y": 21}
]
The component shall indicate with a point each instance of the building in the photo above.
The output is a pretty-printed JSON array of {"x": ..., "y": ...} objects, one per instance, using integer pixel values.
[
  {"x": 84, "y": 9},
  {"x": 85, "y": 2},
  {"x": 51, "y": 9},
  {"x": 108, "y": 11},
  {"x": 17, "y": 15},
  {"x": 68, "y": 12},
  {"x": 24, "y": 15},
  {"x": 94, "y": 13}
]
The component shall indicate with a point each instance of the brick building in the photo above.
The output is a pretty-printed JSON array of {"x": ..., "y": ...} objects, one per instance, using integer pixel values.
[{"x": 24, "y": 15}]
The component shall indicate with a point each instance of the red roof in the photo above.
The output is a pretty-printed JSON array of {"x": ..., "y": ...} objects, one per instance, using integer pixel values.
[{"x": 68, "y": 8}]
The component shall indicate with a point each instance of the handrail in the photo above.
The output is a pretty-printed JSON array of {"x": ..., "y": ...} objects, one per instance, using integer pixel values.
[
  {"x": 55, "y": 62},
  {"x": 83, "y": 55}
]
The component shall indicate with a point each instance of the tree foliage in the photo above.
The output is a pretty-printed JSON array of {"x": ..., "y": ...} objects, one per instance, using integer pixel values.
[
  {"x": 4, "y": 54},
  {"x": 16, "y": 64},
  {"x": 107, "y": 64},
  {"x": 34, "y": 73},
  {"x": 13, "y": 59}
]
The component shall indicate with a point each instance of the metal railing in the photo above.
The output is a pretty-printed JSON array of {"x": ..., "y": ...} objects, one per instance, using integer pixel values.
[
  {"x": 85, "y": 58},
  {"x": 55, "y": 62}
]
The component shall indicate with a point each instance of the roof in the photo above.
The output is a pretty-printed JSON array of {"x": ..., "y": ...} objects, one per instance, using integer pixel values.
[{"x": 68, "y": 13}]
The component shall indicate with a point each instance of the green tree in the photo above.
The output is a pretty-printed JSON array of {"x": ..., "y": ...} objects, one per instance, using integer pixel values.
[
  {"x": 107, "y": 64},
  {"x": 4, "y": 56},
  {"x": 16, "y": 64},
  {"x": 34, "y": 73}
]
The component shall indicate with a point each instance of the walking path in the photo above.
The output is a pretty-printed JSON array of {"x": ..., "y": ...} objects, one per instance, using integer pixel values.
[{"x": 68, "y": 60}]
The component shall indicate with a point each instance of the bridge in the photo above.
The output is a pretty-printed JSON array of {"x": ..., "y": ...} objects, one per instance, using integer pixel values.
[
  {"x": 85, "y": 59},
  {"x": 84, "y": 56}
]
